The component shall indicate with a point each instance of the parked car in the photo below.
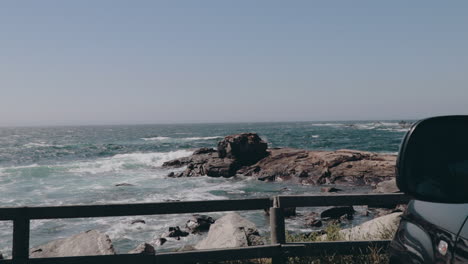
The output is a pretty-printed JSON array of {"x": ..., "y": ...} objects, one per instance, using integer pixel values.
[{"x": 432, "y": 167}]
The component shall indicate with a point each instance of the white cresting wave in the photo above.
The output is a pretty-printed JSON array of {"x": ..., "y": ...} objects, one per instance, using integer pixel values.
[
  {"x": 118, "y": 162},
  {"x": 40, "y": 144},
  {"x": 180, "y": 139}
]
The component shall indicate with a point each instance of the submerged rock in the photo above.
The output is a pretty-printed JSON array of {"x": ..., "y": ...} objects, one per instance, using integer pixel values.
[
  {"x": 138, "y": 221},
  {"x": 91, "y": 242},
  {"x": 124, "y": 184},
  {"x": 175, "y": 232},
  {"x": 231, "y": 230},
  {"x": 338, "y": 212}
]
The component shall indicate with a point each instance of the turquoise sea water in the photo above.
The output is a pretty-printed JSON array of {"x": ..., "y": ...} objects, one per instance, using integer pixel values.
[{"x": 81, "y": 165}]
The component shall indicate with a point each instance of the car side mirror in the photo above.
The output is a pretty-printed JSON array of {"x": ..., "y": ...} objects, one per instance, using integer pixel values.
[{"x": 432, "y": 163}]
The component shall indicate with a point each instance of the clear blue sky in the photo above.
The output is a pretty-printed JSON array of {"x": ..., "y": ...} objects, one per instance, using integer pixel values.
[{"x": 130, "y": 62}]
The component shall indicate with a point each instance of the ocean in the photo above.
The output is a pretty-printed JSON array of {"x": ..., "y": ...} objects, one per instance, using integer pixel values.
[{"x": 83, "y": 164}]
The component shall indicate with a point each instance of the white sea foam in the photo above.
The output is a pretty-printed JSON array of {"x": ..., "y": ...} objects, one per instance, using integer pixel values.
[
  {"x": 327, "y": 124},
  {"x": 156, "y": 138},
  {"x": 180, "y": 139},
  {"x": 118, "y": 162},
  {"x": 315, "y": 136},
  {"x": 394, "y": 129}
]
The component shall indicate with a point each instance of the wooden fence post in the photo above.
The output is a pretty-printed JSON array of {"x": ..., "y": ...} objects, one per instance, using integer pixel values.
[
  {"x": 20, "y": 252},
  {"x": 277, "y": 228}
]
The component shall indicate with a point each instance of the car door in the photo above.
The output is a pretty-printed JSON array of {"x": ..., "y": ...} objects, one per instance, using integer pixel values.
[{"x": 461, "y": 248}]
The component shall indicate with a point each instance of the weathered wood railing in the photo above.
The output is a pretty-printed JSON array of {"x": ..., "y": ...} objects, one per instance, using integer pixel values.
[{"x": 278, "y": 250}]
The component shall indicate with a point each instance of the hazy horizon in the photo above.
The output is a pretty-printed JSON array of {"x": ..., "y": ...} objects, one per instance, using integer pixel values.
[{"x": 121, "y": 62}]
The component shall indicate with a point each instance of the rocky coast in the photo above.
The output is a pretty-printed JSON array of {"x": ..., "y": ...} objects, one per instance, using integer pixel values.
[{"x": 247, "y": 154}]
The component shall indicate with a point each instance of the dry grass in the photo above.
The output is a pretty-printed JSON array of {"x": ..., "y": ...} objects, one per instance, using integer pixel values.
[{"x": 376, "y": 255}]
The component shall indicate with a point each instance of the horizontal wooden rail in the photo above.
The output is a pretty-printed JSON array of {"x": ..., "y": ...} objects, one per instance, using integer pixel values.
[
  {"x": 254, "y": 252},
  {"x": 380, "y": 199},
  {"x": 278, "y": 251},
  {"x": 107, "y": 210}
]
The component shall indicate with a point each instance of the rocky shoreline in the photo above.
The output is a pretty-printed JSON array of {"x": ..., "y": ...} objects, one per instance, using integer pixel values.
[{"x": 247, "y": 154}]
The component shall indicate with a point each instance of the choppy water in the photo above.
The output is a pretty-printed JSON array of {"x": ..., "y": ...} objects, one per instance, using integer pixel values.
[{"x": 81, "y": 165}]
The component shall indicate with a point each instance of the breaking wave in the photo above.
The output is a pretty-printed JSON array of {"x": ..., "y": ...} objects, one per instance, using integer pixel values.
[{"x": 122, "y": 161}]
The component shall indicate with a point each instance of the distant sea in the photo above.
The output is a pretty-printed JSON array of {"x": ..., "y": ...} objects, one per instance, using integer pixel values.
[{"x": 82, "y": 165}]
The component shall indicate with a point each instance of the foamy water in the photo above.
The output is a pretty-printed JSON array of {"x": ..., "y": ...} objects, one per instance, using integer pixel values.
[{"x": 83, "y": 165}]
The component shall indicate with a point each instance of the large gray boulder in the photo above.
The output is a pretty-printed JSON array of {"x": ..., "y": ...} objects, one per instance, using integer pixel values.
[
  {"x": 387, "y": 187},
  {"x": 231, "y": 230},
  {"x": 90, "y": 243},
  {"x": 143, "y": 249},
  {"x": 383, "y": 227}
]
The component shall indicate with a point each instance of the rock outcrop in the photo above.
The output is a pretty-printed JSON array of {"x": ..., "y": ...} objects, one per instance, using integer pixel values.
[
  {"x": 231, "y": 230},
  {"x": 246, "y": 148},
  {"x": 323, "y": 167},
  {"x": 246, "y": 154},
  {"x": 91, "y": 242}
]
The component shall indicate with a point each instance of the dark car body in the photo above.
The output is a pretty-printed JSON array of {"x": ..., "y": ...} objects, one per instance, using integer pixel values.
[
  {"x": 432, "y": 167},
  {"x": 423, "y": 225}
]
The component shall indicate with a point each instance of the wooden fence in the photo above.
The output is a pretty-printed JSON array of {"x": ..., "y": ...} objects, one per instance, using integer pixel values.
[{"x": 278, "y": 250}]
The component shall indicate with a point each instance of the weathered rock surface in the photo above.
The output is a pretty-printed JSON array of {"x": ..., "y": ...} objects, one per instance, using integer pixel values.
[
  {"x": 323, "y": 167},
  {"x": 387, "y": 187},
  {"x": 246, "y": 148},
  {"x": 91, "y": 242},
  {"x": 231, "y": 230},
  {"x": 247, "y": 154},
  {"x": 143, "y": 248},
  {"x": 199, "y": 223},
  {"x": 382, "y": 227}
]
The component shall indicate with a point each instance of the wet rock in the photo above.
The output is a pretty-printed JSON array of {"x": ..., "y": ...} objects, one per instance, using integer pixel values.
[
  {"x": 124, "y": 184},
  {"x": 138, "y": 221},
  {"x": 1, "y": 256},
  {"x": 231, "y": 230},
  {"x": 175, "y": 232},
  {"x": 337, "y": 212},
  {"x": 330, "y": 189},
  {"x": 204, "y": 151},
  {"x": 160, "y": 241},
  {"x": 91, "y": 242},
  {"x": 144, "y": 249},
  {"x": 199, "y": 223},
  {"x": 287, "y": 212},
  {"x": 314, "y": 222}
]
